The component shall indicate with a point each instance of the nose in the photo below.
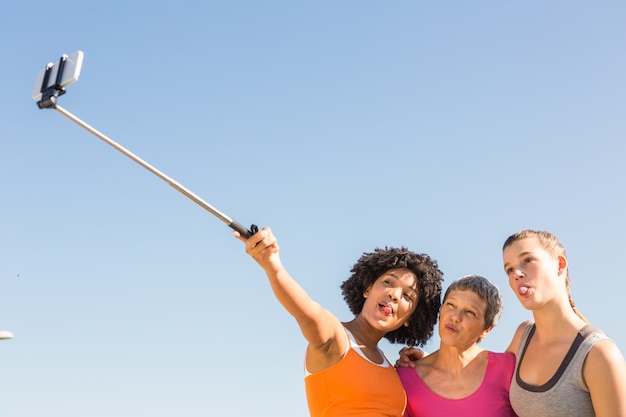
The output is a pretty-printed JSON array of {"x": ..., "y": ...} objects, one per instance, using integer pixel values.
[
  {"x": 517, "y": 272},
  {"x": 394, "y": 293},
  {"x": 455, "y": 316}
]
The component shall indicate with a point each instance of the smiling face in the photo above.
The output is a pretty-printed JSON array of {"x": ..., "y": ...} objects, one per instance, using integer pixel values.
[
  {"x": 391, "y": 299},
  {"x": 462, "y": 319},
  {"x": 534, "y": 274}
]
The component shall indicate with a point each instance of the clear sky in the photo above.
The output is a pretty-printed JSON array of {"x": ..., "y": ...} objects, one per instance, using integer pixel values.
[{"x": 343, "y": 125}]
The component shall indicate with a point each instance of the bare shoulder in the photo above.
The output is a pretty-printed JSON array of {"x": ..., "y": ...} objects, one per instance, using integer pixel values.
[
  {"x": 427, "y": 361},
  {"x": 604, "y": 364},
  {"x": 605, "y": 353},
  {"x": 604, "y": 373},
  {"x": 517, "y": 337},
  {"x": 331, "y": 350}
]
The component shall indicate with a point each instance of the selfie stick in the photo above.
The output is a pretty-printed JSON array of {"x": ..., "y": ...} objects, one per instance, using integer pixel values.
[{"x": 49, "y": 94}]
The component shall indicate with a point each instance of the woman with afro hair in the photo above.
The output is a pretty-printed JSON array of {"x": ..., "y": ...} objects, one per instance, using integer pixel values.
[{"x": 394, "y": 293}]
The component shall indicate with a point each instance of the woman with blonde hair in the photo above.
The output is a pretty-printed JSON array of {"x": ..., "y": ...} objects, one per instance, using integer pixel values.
[{"x": 565, "y": 366}]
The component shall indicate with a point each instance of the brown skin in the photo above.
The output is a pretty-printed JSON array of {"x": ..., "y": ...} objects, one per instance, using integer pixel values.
[{"x": 390, "y": 301}]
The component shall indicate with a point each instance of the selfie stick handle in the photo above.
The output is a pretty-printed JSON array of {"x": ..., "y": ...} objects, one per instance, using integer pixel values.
[{"x": 174, "y": 184}]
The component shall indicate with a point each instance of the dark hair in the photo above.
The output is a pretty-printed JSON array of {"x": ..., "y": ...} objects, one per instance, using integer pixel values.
[
  {"x": 486, "y": 290},
  {"x": 373, "y": 265}
]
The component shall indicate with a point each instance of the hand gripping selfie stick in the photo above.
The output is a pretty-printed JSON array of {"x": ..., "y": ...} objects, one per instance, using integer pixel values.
[{"x": 51, "y": 83}]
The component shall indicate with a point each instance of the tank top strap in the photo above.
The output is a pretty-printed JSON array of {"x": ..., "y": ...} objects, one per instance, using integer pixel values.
[
  {"x": 529, "y": 331},
  {"x": 355, "y": 346}
]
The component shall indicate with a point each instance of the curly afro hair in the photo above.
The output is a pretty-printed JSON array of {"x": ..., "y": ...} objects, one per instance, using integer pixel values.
[{"x": 372, "y": 265}]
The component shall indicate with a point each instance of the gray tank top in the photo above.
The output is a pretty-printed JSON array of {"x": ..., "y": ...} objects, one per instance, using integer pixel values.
[{"x": 565, "y": 394}]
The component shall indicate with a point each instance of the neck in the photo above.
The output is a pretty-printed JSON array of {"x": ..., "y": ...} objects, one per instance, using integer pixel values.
[
  {"x": 453, "y": 357},
  {"x": 556, "y": 321},
  {"x": 363, "y": 333}
]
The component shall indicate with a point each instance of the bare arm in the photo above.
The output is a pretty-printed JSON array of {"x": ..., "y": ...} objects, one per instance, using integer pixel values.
[
  {"x": 605, "y": 375},
  {"x": 517, "y": 337},
  {"x": 323, "y": 331}
]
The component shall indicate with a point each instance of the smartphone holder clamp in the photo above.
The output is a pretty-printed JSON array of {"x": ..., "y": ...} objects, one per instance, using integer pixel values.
[{"x": 50, "y": 93}]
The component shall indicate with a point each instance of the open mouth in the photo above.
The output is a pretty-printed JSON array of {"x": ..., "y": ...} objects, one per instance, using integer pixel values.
[
  {"x": 386, "y": 309},
  {"x": 523, "y": 290}
]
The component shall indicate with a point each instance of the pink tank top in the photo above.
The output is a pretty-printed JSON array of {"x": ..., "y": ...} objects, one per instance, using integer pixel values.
[{"x": 491, "y": 399}]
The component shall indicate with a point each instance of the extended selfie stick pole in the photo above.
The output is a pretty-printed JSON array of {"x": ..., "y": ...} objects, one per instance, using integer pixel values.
[
  {"x": 49, "y": 95},
  {"x": 177, "y": 186}
]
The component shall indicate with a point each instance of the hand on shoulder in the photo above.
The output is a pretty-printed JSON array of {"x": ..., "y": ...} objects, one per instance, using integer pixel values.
[{"x": 409, "y": 356}]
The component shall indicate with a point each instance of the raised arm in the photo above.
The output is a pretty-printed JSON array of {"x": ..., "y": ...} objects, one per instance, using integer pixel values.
[{"x": 323, "y": 331}]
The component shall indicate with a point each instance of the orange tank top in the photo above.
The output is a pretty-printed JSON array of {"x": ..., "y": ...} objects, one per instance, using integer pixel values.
[{"x": 355, "y": 387}]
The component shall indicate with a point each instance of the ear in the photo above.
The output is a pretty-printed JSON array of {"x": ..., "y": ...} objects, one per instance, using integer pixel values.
[
  {"x": 562, "y": 264},
  {"x": 486, "y": 332},
  {"x": 406, "y": 323},
  {"x": 366, "y": 293}
]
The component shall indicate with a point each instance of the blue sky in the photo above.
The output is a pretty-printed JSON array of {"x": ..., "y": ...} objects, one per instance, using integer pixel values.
[{"x": 345, "y": 126}]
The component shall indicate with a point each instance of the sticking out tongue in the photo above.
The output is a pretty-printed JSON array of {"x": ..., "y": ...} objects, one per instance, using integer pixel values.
[
  {"x": 523, "y": 290},
  {"x": 386, "y": 309}
]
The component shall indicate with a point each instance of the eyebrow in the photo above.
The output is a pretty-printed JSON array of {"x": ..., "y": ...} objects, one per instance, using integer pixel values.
[
  {"x": 414, "y": 289},
  {"x": 521, "y": 255},
  {"x": 471, "y": 304}
]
